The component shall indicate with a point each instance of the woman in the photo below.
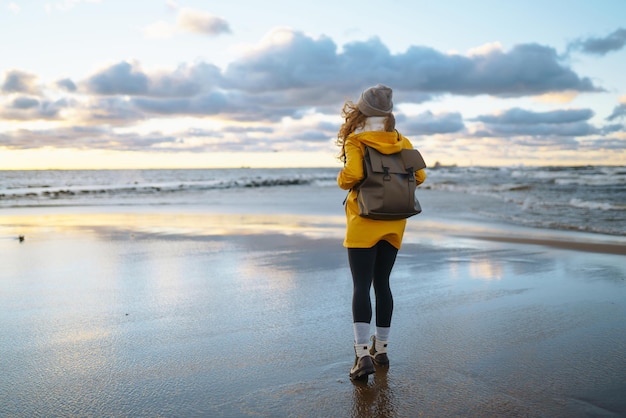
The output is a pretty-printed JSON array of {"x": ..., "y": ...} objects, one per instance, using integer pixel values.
[{"x": 372, "y": 244}]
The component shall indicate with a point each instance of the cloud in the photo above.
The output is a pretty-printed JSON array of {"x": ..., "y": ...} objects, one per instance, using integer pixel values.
[
  {"x": 103, "y": 137},
  {"x": 528, "y": 69},
  {"x": 187, "y": 20},
  {"x": 116, "y": 111},
  {"x": 28, "y": 108},
  {"x": 567, "y": 130},
  {"x": 609, "y": 129},
  {"x": 185, "y": 81},
  {"x": 208, "y": 104},
  {"x": 16, "y": 81},
  {"x": 246, "y": 129},
  {"x": 619, "y": 111},
  {"x": 526, "y": 117},
  {"x": 287, "y": 60},
  {"x": 25, "y": 103},
  {"x": 555, "y": 123},
  {"x": 66, "y": 84},
  {"x": 610, "y": 144},
  {"x": 125, "y": 78},
  {"x": 85, "y": 138},
  {"x": 120, "y": 78},
  {"x": 201, "y": 22},
  {"x": 296, "y": 61},
  {"x": 232, "y": 105},
  {"x": 543, "y": 142},
  {"x": 428, "y": 123},
  {"x": 615, "y": 41},
  {"x": 13, "y": 8}
]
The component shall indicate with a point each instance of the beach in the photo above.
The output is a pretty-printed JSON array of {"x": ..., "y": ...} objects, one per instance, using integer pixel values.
[{"x": 240, "y": 307}]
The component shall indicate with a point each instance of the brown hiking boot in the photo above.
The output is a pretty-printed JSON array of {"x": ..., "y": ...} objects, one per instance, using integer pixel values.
[
  {"x": 379, "y": 352},
  {"x": 363, "y": 366}
]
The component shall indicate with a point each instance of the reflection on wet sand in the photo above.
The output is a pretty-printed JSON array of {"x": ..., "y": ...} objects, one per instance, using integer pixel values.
[{"x": 373, "y": 398}]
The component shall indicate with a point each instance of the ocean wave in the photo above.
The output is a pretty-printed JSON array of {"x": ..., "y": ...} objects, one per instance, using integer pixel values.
[
  {"x": 476, "y": 189},
  {"x": 579, "y": 203},
  {"x": 533, "y": 203},
  {"x": 591, "y": 181},
  {"x": 58, "y": 192}
]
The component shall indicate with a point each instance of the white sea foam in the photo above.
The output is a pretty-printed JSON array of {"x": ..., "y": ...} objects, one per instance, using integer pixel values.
[{"x": 597, "y": 205}]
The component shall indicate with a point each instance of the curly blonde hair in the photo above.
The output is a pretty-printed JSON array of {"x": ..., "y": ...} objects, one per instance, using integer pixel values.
[{"x": 353, "y": 120}]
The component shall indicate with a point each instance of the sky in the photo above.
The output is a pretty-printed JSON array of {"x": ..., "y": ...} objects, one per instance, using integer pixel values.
[{"x": 201, "y": 84}]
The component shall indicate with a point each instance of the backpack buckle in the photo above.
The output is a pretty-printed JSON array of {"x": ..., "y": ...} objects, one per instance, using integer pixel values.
[{"x": 386, "y": 175}]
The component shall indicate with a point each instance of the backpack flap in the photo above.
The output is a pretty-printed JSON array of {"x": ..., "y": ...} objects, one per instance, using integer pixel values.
[
  {"x": 412, "y": 159},
  {"x": 381, "y": 163}
]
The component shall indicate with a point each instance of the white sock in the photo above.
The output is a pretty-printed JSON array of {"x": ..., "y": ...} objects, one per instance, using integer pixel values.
[
  {"x": 361, "y": 332},
  {"x": 361, "y": 350},
  {"x": 382, "y": 333}
]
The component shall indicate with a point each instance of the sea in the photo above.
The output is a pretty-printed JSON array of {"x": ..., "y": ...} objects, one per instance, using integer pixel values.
[{"x": 583, "y": 198}]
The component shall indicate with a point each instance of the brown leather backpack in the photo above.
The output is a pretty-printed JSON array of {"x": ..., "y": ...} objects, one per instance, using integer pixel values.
[{"x": 387, "y": 191}]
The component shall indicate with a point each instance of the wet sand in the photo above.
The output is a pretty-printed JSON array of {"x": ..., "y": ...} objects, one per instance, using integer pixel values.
[{"x": 199, "y": 314}]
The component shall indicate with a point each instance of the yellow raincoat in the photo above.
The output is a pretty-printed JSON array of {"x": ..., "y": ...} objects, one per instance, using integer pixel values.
[{"x": 363, "y": 232}]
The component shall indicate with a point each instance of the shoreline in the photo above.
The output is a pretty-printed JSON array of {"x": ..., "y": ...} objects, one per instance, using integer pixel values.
[
  {"x": 277, "y": 204},
  {"x": 592, "y": 247},
  {"x": 201, "y": 222}
]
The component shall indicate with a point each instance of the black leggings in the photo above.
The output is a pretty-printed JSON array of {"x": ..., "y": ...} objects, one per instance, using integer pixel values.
[{"x": 372, "y": 265}]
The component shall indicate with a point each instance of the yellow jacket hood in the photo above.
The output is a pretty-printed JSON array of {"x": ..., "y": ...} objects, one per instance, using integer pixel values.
[{"x": 384, "y": 142}]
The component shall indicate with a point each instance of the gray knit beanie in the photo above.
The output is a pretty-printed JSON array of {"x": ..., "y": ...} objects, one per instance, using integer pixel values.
[{"x": 376, "y": 101}]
